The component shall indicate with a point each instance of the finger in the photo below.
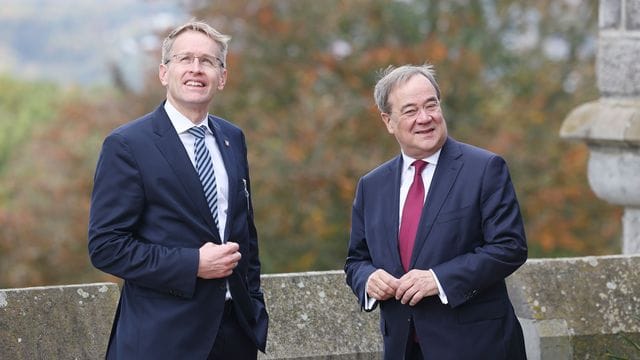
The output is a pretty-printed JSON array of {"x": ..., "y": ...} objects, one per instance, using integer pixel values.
[
  {"x": 233, "y": 257},
  {"x": 207, "y": 245},
  {"x": 389, "y": 284},
  {"x": 392, "y": 283},
  {"x": 376, "y": 278},
  {"x": 376, "y": 290},
  {"x": 408, "y": 295},
  {"x": 402, "y": 288},
  {"x": 416, "y": 298},
  {"x": 385, "y": 288},
  {"x": 410, "y": 276},
  {"x": 232, "y": 245},
  {"x": 391, "y": 280}
]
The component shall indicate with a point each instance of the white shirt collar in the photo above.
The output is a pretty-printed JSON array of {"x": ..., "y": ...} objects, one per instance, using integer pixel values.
[
  {"x": 180, "y": 122},
  {"x": 408, "y": 160}
]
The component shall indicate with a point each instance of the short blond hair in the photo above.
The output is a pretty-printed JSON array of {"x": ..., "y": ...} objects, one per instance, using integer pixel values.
[{"x": 195, "y": 25}]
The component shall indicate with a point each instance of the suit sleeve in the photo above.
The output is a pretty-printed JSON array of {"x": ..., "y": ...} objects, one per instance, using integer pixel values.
[
  {"x": 254, "y": 259},
  {"x": 117, "y": 205},
  {"x": 259, "y": 310},
  {"x": 359, "y": 266},
  {"x": 503, "y": 247}
]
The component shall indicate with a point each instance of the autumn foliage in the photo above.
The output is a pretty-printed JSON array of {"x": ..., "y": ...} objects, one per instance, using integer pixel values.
[{"x": 301, "y": 75}]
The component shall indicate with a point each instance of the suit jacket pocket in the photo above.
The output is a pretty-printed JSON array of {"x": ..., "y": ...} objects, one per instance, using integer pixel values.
[
  {"x": 147, "y": 292},
  {"x": 488, "y": 310}
]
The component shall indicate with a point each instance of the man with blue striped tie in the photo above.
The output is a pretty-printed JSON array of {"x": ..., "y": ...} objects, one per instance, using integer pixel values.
[{"x": 171, "y": 214}]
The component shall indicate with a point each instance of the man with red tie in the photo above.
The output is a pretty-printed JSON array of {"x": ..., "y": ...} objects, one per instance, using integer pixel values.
[{"x": 434, "y": 233}]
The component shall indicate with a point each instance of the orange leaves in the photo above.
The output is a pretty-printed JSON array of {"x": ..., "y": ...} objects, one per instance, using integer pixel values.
[
  {"x": 437, "y": 50},
  {"x": 312, "y": 127}
]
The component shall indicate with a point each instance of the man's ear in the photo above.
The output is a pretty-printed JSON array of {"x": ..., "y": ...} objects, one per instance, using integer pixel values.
[
  {"x": 162, "y": 74},
  {"x": 386, "y": 119},
  {"x": 222, "y": 80}
]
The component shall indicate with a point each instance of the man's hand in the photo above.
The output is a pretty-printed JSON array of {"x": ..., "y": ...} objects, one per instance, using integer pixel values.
[
  {"x": 415, "y": 286},
  {"x": 381, "y": 285},
  {"x": 218, "y": 261}
]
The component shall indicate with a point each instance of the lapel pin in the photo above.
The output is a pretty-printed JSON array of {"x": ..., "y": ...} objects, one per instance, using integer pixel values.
[{"x": 226, "y": 143}]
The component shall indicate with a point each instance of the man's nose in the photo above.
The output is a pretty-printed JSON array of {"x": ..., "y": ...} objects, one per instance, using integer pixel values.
[
  {"x": 424, "y": 116},
  {"x": 195, "y": 65}
]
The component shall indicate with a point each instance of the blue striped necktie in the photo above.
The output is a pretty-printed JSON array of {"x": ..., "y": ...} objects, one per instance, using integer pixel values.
[{"x": 204, "y": 165}]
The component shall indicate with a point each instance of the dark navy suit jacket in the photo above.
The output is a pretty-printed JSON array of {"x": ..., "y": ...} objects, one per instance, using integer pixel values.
[
  {"x": 471, "y": 234},
  {"x": 148, "y": 218}
]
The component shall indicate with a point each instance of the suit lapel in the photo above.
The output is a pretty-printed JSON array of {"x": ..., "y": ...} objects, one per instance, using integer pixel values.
[
  {"x": 173, "y": 150},
  {"x": 390, "y": 192},
  {"x": 446, "y": 173},
  {"x": 229, "y": 158}
]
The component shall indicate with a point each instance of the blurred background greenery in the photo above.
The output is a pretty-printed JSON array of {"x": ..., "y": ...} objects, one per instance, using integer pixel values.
[{"x": 301, "y": 75}]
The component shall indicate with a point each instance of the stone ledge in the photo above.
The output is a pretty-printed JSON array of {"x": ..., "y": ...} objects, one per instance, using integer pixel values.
[
  {"x": 603, "y": 122},
  {"x": 569, "y": 308},
  {"x": 314, "y": 315},
  {"x": 57, "y": 322},
  {"x": 576, "y": 308}
]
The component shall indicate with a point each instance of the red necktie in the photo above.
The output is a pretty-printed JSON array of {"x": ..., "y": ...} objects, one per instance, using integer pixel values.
[{"x": 411, "y": 215}]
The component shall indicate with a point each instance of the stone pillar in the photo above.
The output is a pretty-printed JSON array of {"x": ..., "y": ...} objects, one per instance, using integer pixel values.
[{"x": 610, "y": 126}]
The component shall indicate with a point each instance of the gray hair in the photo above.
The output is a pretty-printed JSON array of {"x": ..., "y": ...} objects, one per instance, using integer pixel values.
[
  {"x": 392, "y": 77},
  {"x": 221, "y": 39}
]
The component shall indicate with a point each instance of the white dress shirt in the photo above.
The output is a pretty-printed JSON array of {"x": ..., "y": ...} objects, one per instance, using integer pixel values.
[
  {"x": 182, "y": 125},
  {"x": 406, "y": 178}
]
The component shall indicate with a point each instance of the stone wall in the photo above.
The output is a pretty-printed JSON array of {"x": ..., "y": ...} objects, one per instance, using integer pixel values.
[
  {"x": 570, "y": 308},
  {"x": 315, "y": 315},
  {"x": 578, "y": 308},
  {"x": 56, "y": 322}
]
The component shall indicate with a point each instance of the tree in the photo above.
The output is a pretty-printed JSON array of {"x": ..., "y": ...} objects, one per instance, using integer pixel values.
[{"x": 301, "y": 76}]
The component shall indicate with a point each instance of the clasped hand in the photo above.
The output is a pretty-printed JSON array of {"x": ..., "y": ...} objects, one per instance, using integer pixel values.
[
  {"x": 409, "y": 289},
  {"x": 218, "y": 261}
]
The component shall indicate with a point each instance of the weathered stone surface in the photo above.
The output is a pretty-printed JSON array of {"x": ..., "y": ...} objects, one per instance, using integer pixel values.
[
  {"x": 569, "y": 308},
  {"x": 631, "y": 230},
  {"x": 614, "y": 174},
  {"x": 577, "y": 308},
  {"x": 633, "y": 14},
  {"x": 605, "y": 121},
  {"x": 618, "y": 68},
  {"x": 315, "y": 315},
  {"x": 609, "y": 14},
  {"x": 62, "y": 322}
]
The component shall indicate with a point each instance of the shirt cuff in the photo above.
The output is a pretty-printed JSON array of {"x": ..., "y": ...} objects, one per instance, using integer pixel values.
[
  {"x": 441, "y": 294},
  {"x": 369, "y": 303}
]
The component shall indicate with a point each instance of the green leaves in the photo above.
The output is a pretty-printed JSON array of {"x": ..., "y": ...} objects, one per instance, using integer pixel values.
[{"x": 301, "y": 77}]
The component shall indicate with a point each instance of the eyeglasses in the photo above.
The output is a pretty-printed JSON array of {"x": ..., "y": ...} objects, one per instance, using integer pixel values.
[
  {"x": 411, "y": 112},
  {"x": 204, "y": 60}
]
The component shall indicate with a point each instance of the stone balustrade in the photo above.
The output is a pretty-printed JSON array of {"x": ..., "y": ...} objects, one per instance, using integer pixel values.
[{"x": 570, "y": 308}]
